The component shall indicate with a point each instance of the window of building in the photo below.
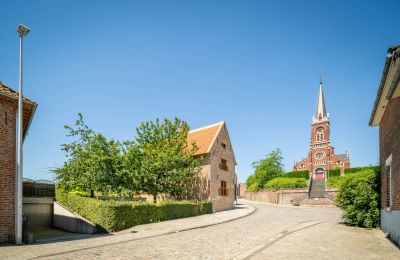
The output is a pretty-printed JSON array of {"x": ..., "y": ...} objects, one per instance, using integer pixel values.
[
  {"x": 223, "y": 165},
  {"x": 389, "y": 192},
  {"x": 223, "y": 191},
  {"x": 223, "y": 145},
  {"x": 320, "y": 134}
]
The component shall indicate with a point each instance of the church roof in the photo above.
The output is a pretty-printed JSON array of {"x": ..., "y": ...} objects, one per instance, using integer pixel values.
[{"x": 320, "y": 111}]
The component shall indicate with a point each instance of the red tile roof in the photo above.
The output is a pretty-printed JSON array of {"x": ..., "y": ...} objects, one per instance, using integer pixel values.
[{"x": 204, "y": 137}]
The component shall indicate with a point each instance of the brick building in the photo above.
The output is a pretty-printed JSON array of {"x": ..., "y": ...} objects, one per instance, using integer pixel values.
[
  {"x": 8, "y": 132},
  {"x": 386, "y": 115},
  {"x": 218, "y": 165},
  {"x": 321, "y": 156}
]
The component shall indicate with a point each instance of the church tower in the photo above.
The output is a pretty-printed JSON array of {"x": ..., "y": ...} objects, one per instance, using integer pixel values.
[{"x": 321, "y": 157}]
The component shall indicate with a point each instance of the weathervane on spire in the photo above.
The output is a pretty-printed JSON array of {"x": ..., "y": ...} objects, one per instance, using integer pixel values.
[{"x": 320, "y": 76}]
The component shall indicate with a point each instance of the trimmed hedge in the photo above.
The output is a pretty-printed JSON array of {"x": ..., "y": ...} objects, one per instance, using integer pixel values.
[
  {"x": 286, "y": 183},
  {"x": 375, "y": 169},
  {"x": 113, "y": 216},
  {"x": 296, "y": 174},
  {"x": 333, "y": 173},
  {"x": 359, "y": 197},
  {"x": 334, "y": 182}
]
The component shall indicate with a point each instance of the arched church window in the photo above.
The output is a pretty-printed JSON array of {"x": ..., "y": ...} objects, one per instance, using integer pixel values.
[{"x": 320, "y": 134}]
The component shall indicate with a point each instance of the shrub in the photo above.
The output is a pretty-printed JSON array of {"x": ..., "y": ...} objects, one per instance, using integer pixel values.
[
  {"x": 109, "y": 215},
  {"x": 253, "y": 187},
  {"x": 333, "y": 173},
  {"x": 335, "y": 182},
  {"x": 375, "y": 169},
  {"x": 359, "y": 198},
  {"x": 297, "y": 174},
  {"x": 286, "y": 183}
]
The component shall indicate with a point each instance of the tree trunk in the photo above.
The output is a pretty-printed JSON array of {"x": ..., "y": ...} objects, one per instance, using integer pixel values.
[
  {"x": 155, "y": 198},
  {"x": 91, "y": 193}
]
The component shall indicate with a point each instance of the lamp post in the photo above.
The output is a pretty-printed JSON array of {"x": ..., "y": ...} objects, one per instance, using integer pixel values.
[{"x": 22, "y": 31}]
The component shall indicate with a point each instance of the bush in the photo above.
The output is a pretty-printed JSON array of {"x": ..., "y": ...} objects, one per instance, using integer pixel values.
[
  {"x": 333, "y": 173},
  {"x": 297, "y": 174},
  {"x": 359, "y": 198},
  {"x": 334, "y": 182},
  {"x": 253, "y": 187},
  {"x": 113, "y": 216},
  {"x": 375, "y": 169},
  {"x": 285, "y": 183}
]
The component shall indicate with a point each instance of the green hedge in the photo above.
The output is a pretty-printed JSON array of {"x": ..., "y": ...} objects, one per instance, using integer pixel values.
[
  {"x": 333, "y": 173},
  {"x": 113, "y": 216},
  {"x": 359, "y": 197},
  {"x": 296, "y": 174},
  {"x": 334, "y": 182},
  {"x": 285, "y": 183},
  {"x": 375, "y": 169}
]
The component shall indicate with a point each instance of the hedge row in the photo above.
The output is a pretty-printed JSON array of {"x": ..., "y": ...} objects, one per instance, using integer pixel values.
[
  {"x": 333, "y": 173},
  {"x": 111, "y": 216},
  {"x": 375, "y": 169},
  {"x": 285, "y": 183},
  {"x": 296, "y": 174},
  {"x": 334, "y": 182}
]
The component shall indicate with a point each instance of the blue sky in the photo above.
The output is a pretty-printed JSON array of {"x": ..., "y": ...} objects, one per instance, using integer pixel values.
[{"x": 253, "y": 64}]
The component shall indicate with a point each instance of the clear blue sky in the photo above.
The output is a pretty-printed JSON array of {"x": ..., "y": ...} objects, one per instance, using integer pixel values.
[{"x": 253, "y": 64}]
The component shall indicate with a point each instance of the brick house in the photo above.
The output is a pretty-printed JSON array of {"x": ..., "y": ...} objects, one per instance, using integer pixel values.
[
  {"x": 386, "y": 115},
  {"x": 218, "y": 165},
  {"x": 321, "y": 156},
  {"x": 8, "y": 132}
]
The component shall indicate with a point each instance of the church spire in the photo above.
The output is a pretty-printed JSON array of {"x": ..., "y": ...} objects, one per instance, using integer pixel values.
[{"x": 320, "y": 111}]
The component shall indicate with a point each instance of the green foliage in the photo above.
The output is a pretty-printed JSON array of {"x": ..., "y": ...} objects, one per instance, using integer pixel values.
[
  {"x": 266, "y": 169},
  {"x": 359, "y": 198},
  {"x": 286, "y": 183},
  {"x": 333, "y": 173},
  {"x": 253, "y": 187},
  {"x": 375, "y": 169},
  {"x": 93, "y": 162},
  {"x": 111, "y": 216},
  {"x": 297, "y": 174},
  {"x": 157, "y": 161},
  {"x": 335, "y": 182},
  {"x": 163, "y": 161}
]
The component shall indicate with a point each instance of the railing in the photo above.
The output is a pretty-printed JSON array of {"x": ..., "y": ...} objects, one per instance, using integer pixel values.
[{"x": 39, "y": 188}]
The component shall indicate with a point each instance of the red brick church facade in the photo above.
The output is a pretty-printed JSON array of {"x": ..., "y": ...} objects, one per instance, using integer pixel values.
[{"x": 321, "y": 157}]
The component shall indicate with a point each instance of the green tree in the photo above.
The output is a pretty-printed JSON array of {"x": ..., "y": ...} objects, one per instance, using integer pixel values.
[
  {"x": 93, "y": 162},
  {"x": 162, "y": 161},
  {"x": 266, "y": 169}
]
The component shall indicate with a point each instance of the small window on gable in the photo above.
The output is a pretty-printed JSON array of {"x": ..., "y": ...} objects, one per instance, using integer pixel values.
[
  {"x": 223, "y": 145},
  {"x": 223, "y": 165}
]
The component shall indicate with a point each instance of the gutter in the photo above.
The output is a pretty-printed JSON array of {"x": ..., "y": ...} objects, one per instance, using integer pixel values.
[
  {"x": 28, "y": 124},
  {"x": 381, "y": 85}
]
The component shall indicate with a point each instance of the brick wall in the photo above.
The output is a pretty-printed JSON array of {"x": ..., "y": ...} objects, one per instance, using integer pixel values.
[
  {"x": 217, "y": 175},
  {"x": 277, "y": 196},
  {"x": 389, "y": 135},
  {"x": 7, "y": 169}
]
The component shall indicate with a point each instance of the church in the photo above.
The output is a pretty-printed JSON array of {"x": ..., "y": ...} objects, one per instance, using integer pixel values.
[{"x": 321, "y": 157}]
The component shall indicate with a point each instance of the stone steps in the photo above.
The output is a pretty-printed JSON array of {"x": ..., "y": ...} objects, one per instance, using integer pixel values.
[{"x": 317, "y": 189}]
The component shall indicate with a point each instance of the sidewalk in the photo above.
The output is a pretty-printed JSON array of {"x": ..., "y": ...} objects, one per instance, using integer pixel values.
[{"x": 134, "y": 233}]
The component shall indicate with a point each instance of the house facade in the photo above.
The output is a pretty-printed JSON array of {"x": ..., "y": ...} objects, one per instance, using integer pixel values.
[
  {"x": 8, "y": 132},
  {"x": 386, "y": 115},
  {"x": 218, "y": 176},
  {"x": 321, "y": 155}
]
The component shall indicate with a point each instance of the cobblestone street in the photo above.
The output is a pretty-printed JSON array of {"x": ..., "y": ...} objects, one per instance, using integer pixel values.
[{"x": 271, "y": 232}]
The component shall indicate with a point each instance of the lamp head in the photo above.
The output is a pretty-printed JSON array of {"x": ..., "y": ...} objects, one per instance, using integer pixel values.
[{"x": 22, "y": 30}]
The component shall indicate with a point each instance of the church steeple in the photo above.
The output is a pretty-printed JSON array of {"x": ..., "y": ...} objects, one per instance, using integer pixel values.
[{"x": 320, "y": 111}]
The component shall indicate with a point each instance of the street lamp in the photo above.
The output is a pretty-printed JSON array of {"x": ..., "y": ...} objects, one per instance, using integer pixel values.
[{"x": 22, "y": 31}]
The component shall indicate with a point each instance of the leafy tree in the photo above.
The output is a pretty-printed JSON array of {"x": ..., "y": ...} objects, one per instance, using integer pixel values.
[
  {"x": 93, "y": 162},
  {"x": 163, "y": 161},
  {"x": 266, "y": 169}
]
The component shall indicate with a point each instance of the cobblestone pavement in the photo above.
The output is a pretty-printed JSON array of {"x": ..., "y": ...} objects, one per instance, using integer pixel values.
[{"x": 270, "y": 233}]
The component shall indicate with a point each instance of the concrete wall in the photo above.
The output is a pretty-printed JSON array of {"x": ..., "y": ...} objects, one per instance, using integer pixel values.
[
  {"x": 39, "y": 212},
  {"x": 277, "y": 197},
  {"x": 68, "y": 221},
  {"x": 390, "y": 223}
]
